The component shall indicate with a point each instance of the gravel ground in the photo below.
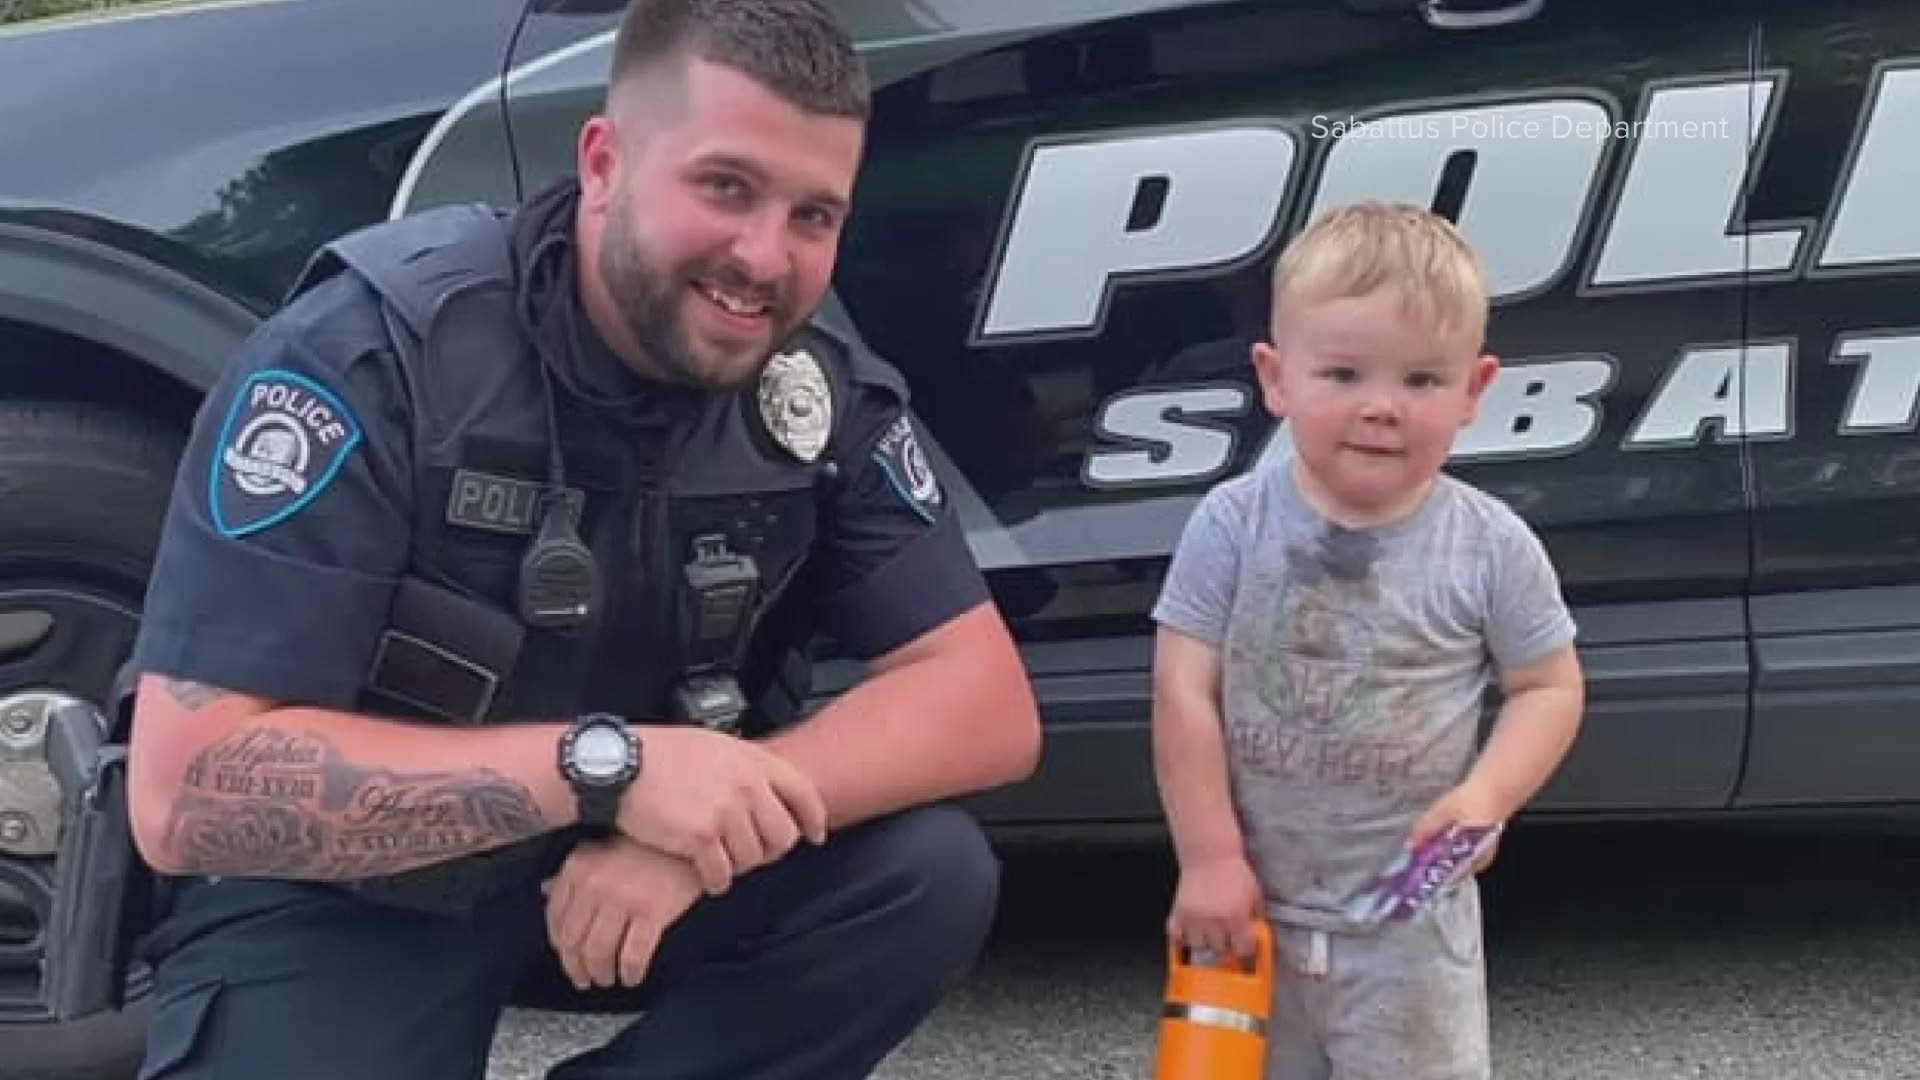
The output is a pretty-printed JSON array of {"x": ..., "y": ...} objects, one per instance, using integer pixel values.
[{"x": 1644, "y": 954}]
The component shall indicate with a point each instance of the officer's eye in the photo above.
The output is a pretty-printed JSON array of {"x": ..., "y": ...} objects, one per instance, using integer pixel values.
[
  {"x": 727, "y": 187},
  {"x": 817, "y": 217}
]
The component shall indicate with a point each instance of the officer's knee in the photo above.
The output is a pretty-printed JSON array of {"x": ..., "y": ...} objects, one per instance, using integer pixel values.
[{"x": 944, "y": 883}]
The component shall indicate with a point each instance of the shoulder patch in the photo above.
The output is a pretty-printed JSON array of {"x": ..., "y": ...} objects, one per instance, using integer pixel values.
[
  {"x": 899, "y": 455},
  {"x": 283, "y": 442}
]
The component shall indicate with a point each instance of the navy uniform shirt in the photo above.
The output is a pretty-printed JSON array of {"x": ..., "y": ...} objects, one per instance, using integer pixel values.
[{"x": 293, "y": 507}]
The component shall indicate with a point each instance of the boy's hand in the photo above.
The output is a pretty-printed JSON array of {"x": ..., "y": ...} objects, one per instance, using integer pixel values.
[
  {"x": 1464, "y": 805},
  {"x": 1215, "y": 905}
]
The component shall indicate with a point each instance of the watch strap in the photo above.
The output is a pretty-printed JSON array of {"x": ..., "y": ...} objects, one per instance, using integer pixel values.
[{"x": 598, "y": 807}]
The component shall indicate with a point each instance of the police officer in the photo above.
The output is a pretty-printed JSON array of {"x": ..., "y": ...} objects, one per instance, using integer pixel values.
[{"x": 462, "y": 672}]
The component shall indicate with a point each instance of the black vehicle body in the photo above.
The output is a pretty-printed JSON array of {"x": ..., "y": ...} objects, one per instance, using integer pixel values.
[{"x": 1696, "y": 216}]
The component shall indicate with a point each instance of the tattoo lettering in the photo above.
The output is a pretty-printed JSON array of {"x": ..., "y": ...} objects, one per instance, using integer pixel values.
[
  {"x": 193, "y": 695},
  {"x": 268, "y": 802}
]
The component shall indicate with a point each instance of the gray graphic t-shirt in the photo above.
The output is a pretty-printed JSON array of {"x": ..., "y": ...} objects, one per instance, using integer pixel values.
[{"x": 1356, "y": 665}]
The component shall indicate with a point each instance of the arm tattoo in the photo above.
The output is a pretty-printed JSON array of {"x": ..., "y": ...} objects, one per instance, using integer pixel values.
[
  {"x": 193, "y": 695},
  {"x": 277, "y": 803}
]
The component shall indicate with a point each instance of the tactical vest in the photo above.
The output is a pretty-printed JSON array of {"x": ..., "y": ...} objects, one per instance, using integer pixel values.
[{"x": 730, "y": 493}]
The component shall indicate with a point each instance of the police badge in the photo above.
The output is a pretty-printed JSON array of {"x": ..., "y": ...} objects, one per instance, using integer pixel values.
[{"x": 796, "y": 404}]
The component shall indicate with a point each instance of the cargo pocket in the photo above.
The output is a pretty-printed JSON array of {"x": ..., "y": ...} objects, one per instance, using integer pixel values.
[{"x": 176, "y": 1036}]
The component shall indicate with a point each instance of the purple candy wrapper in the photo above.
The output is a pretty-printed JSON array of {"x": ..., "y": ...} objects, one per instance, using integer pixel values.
[{"x": 1414, "y": 880}]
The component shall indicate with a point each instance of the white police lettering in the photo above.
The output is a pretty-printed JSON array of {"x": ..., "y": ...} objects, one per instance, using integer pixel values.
[
  {"x": 1680, "y": 193},
  {"x": 1874, "y": 224},
  {"x": 1166, "y": 436},
  {"x": 1886, "y": 393},
  {"x": 900, "y": 458},
  {"x": 1139, "y": 207},
  {"x": 1081, "y": 221},
  {"x": 284, "y": 439},
  {"x": 1736, "y": 392},
  {"x": 1538, "y": 407},
  {"x": 1528, "y": 192}
]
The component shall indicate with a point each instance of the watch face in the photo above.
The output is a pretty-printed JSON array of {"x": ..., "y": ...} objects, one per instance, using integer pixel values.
[{"x": 600, "y": 753}]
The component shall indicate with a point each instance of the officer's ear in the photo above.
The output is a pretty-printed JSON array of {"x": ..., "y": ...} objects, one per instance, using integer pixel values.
[{"x": 598, "y": 162}]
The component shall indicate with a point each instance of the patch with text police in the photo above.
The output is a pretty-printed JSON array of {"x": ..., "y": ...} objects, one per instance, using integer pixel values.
[
  {"x": 900, "y": 457},
  {"x": 284, "y": 441}
]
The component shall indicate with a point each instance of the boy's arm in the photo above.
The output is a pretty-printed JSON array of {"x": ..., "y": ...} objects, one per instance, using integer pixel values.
[
  {"x": 1189, "y": 752},
  {"x": 1189, "y": 755},
  {"x": 1218, "y": 898},
  {"x": 1533, "y": 731}
]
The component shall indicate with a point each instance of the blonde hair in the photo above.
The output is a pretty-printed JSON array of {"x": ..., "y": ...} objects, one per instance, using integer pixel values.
[{"x": 1356, "y": 248}]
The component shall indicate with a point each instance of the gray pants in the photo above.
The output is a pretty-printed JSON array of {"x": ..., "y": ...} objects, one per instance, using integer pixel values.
[{"x": 1407, "y": 1003}]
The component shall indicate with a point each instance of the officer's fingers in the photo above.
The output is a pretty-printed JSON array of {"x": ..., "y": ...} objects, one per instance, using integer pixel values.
[
  {"x": 710, "y": 862},
  {"x": 778, "y": 831},
  {"x": 559, "y": 903},
  {"x": 742, "y": 839},
  {"x": 800, "y": 796},
  {"x": 600, "y": 949},
  {"x": 565, "y": 941},
  {"x": 636, "y": 955}
]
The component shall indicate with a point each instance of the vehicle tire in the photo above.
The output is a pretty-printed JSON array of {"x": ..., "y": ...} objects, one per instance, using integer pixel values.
[{"x": 83, "y": 491}]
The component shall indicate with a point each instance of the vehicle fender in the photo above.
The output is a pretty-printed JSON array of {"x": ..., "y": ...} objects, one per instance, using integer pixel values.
[{"x": 117, "y": 298}]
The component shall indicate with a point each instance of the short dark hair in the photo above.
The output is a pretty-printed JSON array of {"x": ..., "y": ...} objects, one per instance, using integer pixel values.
[{"x": 795, "y": 48}]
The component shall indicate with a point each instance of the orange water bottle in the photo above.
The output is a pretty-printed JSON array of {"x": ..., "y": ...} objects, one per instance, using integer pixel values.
[{"x": 1214, "y": 1023}]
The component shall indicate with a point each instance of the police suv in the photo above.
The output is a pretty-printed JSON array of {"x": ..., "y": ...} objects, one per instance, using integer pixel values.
[{"x": 1698, "y": 218}]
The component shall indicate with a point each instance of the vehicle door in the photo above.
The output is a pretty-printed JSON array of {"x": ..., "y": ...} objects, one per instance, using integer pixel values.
[
  {"x": 1062, "y": 235},
  {"x": 1836, "y": 310}
]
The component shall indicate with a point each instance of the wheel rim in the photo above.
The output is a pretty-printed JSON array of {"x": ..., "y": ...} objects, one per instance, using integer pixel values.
[{"x": 55, "y": 643}]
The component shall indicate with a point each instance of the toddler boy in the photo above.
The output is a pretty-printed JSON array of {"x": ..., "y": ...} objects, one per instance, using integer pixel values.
[{"x": 1327, "y": 630}]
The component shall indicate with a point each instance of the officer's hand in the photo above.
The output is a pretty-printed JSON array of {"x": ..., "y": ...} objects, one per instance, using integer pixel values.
[
  {"x": 608, "y": 906},
  {"x": 724, "y": 804}
]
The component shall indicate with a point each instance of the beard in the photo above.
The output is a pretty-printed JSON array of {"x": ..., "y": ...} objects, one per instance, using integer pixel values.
[{"x": 649, "y": 300}]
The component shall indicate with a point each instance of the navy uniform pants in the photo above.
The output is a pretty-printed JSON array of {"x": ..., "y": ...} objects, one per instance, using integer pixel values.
[{"x": 814, "y": 967}]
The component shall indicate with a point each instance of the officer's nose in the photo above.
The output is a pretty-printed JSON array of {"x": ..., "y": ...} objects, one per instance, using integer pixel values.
[{"x": 761, "y": 246}]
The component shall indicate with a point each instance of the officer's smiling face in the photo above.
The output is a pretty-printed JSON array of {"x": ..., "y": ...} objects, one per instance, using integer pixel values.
[{"x": 710, "y": 221}]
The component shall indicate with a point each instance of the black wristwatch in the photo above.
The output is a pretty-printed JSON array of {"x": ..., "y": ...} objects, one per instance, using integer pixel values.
[{"x": 599, "y": 757}]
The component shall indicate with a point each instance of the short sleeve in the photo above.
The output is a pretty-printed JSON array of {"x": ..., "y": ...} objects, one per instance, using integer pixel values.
[
  {"x": 289, "y": 519},
  {"x": 1197, "y": 596},
  {"x": 1527, "y": 618},
  {"x": 894, "y": 563}
]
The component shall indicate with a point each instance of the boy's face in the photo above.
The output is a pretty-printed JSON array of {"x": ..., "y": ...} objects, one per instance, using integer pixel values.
[{"x": 1372, "y": 398}]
